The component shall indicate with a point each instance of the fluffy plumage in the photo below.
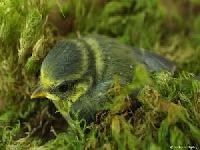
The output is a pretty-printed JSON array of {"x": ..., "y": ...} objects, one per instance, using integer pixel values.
[{"x": 76, "y": 74}]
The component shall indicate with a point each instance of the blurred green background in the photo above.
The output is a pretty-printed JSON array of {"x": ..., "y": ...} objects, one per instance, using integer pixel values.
[{"x": 171, "y": 28}]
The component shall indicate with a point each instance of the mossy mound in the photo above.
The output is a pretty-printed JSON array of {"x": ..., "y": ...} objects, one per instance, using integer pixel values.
[{"x": 168, "y": 116}]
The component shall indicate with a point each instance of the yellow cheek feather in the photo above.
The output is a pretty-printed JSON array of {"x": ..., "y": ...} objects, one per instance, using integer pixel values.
[
  {"x": 80, "y": 89},
  {"x": 64, "y": 105}
]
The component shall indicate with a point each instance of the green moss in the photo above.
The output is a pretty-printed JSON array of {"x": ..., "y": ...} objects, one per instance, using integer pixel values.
[{"x": 169, "y": 113}]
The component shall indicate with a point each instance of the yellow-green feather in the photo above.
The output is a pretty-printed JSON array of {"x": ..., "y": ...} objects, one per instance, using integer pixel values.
[{"x": 98, "y": 55}]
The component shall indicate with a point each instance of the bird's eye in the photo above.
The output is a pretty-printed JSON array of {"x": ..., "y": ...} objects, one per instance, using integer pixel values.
[
  {"x": 66, "y": 86},
  {"x": 63, "y": 87}
]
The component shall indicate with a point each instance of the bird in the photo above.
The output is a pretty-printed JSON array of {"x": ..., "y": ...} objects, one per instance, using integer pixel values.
[{"x": 77, "y": 73}]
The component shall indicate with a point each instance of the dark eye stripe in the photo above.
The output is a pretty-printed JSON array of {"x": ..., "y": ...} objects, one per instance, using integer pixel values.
[
  {"x": 66, "y": 86},
  {"x": 63, "y": 87}
]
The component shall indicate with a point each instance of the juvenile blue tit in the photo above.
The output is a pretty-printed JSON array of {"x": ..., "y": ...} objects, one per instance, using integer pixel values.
[{"x": 76, "y": 74}]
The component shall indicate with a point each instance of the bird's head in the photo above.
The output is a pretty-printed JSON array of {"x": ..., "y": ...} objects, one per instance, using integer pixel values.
[{"x": 65, "y": 75}]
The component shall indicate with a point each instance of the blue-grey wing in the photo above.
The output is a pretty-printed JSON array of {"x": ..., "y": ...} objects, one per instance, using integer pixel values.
[{"x": 154, "y": 62}]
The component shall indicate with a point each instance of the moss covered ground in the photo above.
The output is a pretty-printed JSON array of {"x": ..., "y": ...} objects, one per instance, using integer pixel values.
[{"x": 169, "y": 115}]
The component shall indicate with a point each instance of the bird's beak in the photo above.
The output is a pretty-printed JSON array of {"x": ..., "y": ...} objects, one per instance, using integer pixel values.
[{"x": 39, "y": 93}]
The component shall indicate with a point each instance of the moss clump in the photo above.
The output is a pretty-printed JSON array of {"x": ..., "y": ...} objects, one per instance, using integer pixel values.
[{"x": 167, "y": 113}]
